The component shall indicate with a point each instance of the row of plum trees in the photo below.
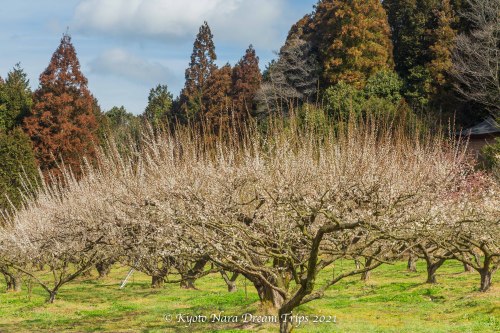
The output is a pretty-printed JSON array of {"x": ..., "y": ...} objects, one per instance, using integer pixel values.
[{"x": 277, "y": 209}]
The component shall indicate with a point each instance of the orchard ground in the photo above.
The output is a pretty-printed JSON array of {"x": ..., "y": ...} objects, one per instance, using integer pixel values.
[{"x": 394, "y": 300}]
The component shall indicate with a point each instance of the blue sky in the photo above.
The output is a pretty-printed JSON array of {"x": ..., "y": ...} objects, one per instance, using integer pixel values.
[{"x": 126, "y": 47}]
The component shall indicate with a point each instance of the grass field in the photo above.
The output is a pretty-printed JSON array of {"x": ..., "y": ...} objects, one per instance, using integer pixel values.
[{"x": 392, "y": 301}]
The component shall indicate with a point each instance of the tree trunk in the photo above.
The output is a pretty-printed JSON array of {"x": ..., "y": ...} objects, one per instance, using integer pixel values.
[
  {"x": 230, "y": 282},
  {"x": 157, "y": 281},
  {"x": 269, "y": 298},
  {"x": 189, "y": 277},
  {"x": 187, "y": 282},
  {"x": 17, "y": 283},
  {"x": 13, "y": 281},
  {"x": 52, "y": 296},
  {"x": 8, "y": 282},
  {"x": 432, "y": 267},
  {"x": 431, "y": 274},
  {"x": 104, "y": 267},
  {"x": 231, "y": 287},
  {"x": 467, "y": 268},
  {"x": 412, "y": 263},
  {"x": 485, "y": 279},
  {"x": 366, "y": 275},
  {"x": 284, "y": 313},
  {"x": 285, "y": 325}
]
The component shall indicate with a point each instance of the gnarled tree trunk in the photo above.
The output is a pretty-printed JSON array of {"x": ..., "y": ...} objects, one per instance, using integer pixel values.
[
  {"x": 270, "y": 299},
  {"x": 16, "y": 283},
  {"x": 189, "y": 277},
  {"x": 412, "y": 263},
  {"x": 486, "y": 275},
  {"x": 365, "y": 276},
  {"x": 157, "y": 281},
  {"x": 12, "y": 280},
  {"x": 187, "y": 282},
  {"x": 52, "y": 296},
  {"x": 433, "y": 260},
  {"x": 104, "y": 267},
  {"x": 285, "y": 325},
  {"x": 432, "y": 267},
  {"x": 268, "y": 296},
  {"x": 230, "y": 281}
]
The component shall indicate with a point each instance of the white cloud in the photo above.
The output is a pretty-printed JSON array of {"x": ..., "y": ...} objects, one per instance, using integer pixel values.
[
  {"x": 240, "y": 21},
  {"x": 120, "y": 63}
]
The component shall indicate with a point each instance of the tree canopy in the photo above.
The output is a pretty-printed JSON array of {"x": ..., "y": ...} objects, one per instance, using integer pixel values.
[
  {"x": 246, "y": 82},
  {"x": 200, "y": 68},
  {"x": 159, "y": 108},
  {"x": 18, "y": 168},
  {"x": 62, "y": 123},
  {"x": 353, "y": 39},
  {"x": 15, "y": 98}
]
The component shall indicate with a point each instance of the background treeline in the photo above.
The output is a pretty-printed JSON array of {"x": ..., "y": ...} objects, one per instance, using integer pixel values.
[{"x": 432, "y": 62}]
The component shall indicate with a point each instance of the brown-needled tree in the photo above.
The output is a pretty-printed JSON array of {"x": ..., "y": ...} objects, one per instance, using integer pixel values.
[
  {"x": 246, "y": 82},
  {"x": 200, "y": 68},
  {"x": 353, "y": 38},
  {"x": 62, "y": 123},
  {"x": 218, "y": 101}
]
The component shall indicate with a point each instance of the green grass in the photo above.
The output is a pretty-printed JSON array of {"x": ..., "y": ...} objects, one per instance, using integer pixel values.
[{"x": 392, "y": 301}]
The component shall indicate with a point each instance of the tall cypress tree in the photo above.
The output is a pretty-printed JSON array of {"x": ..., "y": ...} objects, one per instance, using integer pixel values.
[
  {"x": 62, "y": 123},
  {"x": 200, "y": 68},
  {"x": 17, "y": 162},
  {"x": 247, "y": 79},
  {"x": 422, "y": 36},
  {"x": 218, "y": 100},
  {"x": 353, "y": 38},
  {"x": 15, "y": 98},
  {"x": 17, "y": 166},
  {"x": 441, "y": 49}
]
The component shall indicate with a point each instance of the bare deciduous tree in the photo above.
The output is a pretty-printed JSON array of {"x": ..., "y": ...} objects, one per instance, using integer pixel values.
[
  {"x": 65, "y": 229},
  {"x": 280, "y": 215},
  {"x": 476, "y": 56},
  {"x": 470, "y": 227},
  {"x": 293, "y": 79},
  {"x": 277, "y": 209}
]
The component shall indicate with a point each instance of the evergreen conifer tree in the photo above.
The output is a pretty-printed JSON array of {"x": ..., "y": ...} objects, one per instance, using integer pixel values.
[
  {"x": 218, "y": 100},
  {"x": 200, "y": 68},
  {"x": 247, "y": 79},
  {"x": 423, "y": 38},
  {"x": 353, "y": 39},
  {"x": 15, "y": 98},
  {"x": 17, "y": 167},
  {"x": 159, "y": 108}
]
